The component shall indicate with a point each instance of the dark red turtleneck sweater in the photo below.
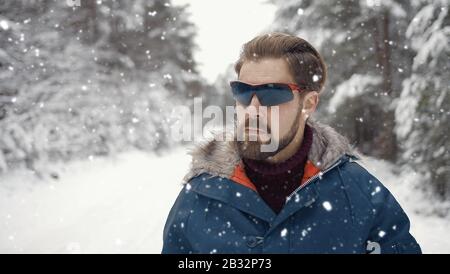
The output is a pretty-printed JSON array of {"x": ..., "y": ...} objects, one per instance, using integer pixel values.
[{"x": 275, "y": 182}]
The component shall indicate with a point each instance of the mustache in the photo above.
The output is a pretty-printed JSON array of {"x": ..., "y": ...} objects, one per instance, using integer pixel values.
[{"x": 259, "y": 124}]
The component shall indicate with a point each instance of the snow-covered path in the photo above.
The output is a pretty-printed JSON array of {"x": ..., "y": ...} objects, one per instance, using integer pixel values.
[
  {"x": 119, "y": 206},
  {"x": 105, "y": 205}
]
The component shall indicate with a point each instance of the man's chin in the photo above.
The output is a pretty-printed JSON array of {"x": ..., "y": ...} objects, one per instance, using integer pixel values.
[{"x": 252, "y": 150}]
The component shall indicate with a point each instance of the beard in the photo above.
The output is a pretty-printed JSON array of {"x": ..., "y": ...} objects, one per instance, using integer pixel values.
[{"x": 252, "y": 149}]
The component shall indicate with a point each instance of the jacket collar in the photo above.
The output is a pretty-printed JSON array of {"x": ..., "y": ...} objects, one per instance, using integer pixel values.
[{"x": 249, "y": 201}]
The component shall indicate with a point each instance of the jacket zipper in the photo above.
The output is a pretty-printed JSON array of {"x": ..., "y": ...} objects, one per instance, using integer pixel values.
[{"x": 321, "y": 173}]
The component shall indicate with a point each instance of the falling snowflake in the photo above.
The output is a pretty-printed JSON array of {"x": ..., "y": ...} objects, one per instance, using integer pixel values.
[
  {"x": 327, "y": 206},
  {"x": 284, "y": 232},
  {"x": 377, "y": 189},
  {"x": 4, "y": 25},
  {"x": 304, "y": 232}
]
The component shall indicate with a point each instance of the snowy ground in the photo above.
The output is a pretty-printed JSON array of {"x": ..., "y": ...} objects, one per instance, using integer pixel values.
[{"x": 119, "y": 206}]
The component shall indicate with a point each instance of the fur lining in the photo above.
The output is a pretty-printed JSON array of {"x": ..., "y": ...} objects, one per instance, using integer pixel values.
[{"x": 219, "y": 158}]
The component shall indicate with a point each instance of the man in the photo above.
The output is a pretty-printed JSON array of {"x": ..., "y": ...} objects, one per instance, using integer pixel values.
[{"x": 308, "y": 196}]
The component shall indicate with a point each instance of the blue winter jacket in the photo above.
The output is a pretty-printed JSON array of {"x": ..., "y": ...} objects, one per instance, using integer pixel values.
[{"x": 341, "y": 208}]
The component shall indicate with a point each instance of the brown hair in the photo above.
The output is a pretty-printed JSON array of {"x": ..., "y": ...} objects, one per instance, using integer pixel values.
[{"x": 305, "y": 63}]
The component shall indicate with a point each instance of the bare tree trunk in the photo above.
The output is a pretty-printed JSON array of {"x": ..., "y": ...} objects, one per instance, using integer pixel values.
[{"x": 386, "y": 138}]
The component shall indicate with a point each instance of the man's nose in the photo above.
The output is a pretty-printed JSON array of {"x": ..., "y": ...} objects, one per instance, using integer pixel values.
[
  {"x": 255, "y": 102},
  {"x": 256, "y": 109}
]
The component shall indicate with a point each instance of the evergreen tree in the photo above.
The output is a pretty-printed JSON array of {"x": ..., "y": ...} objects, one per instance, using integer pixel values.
[
  {"x": 423, "y": 108},
  {"x": 79, "y": 81}
]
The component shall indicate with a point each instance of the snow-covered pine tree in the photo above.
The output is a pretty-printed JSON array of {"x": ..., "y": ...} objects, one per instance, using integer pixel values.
[
  {"x": 423, "y": 108},
  {"x": 80, "y": 81}
]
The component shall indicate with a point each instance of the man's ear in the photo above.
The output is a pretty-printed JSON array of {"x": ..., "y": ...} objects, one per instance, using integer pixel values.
[{"x": 310, "y": 102}]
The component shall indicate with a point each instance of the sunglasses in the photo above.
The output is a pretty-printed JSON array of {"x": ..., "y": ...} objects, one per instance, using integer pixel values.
[{"x": 270, "y": 94}]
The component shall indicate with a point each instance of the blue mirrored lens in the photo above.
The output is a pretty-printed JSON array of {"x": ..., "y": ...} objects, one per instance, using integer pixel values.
[
  {"x": 268, "y": 94},
  {"x": 274, "y": 94},
  {"x": 242, "y": 92}
]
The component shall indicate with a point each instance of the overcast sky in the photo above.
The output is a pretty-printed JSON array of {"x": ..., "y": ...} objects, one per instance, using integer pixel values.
[{"x": 223, "y": 26}]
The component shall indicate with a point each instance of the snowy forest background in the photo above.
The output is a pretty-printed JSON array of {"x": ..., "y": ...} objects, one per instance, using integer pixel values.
[
  {"x": 83, "y": 82},
  {"x": 90, "y": 80}
]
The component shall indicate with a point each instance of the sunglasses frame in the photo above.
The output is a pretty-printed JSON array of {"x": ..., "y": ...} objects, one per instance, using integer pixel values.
[{"x": 293, "y": 87}]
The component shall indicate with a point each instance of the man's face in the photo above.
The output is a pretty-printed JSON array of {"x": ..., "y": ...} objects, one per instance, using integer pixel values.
[{"x": 267, "y": 70}]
